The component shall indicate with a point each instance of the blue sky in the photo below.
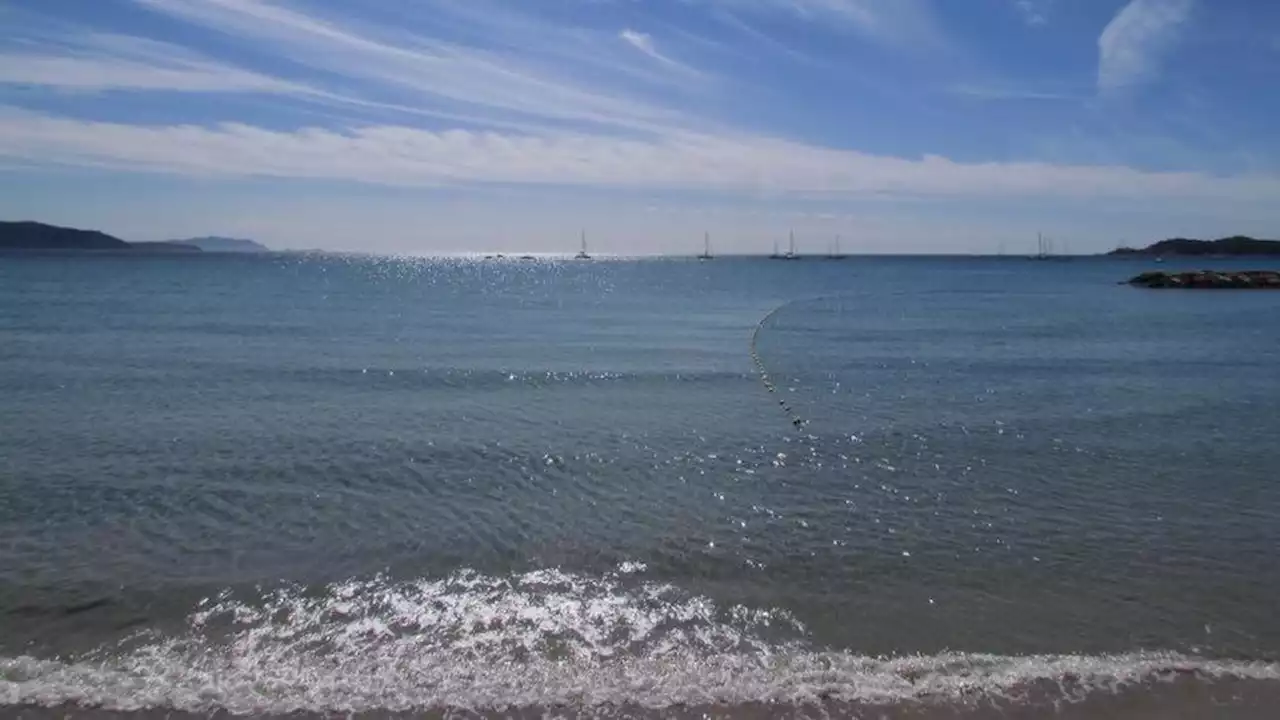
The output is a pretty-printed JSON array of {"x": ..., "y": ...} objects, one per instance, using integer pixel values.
[{"x": 461, "y": 125}]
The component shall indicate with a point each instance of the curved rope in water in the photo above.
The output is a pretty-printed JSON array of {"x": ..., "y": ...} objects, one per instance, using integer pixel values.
[
  {"x": 764, "y": 373},
  {"x": 769, "y": 384}
]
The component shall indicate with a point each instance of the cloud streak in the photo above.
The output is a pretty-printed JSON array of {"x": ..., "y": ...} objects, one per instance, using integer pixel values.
[
  {"x": 644, "y": 43},
  {"x": 393, "y": 65},
  {"x": 99, "y": 62},
  {"x": 1133, "y": 44},
  {"x": 81, "y": 74},
  {"x": 1006, "y": 91},
  {"x": 404, "y": 156},
  {"x": 894, "y": 22}
]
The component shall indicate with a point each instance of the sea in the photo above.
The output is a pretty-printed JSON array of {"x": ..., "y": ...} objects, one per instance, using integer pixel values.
[{"x": 318, "y": 486}]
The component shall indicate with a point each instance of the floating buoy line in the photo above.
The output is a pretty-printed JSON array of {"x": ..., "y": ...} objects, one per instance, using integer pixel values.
[{"x": 769, "y": 385}]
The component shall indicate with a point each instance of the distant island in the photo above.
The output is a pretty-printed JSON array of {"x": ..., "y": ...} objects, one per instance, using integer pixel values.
[
  {"x": 164, "y": 246},
  {"x": 214, "y": 243},
  {"x": 29, "y": 235},
  {"x": 1234, "y": 245}
]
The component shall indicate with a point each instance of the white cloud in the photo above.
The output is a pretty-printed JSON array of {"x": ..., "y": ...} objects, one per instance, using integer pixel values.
[
  {"x": 1034, "y": 12},
  {"x": 640, "y": 41},
  {"x": 644, "y": 43},
  {"x": 1134, "y": 43},
  {"x": 741, "y": 164}
]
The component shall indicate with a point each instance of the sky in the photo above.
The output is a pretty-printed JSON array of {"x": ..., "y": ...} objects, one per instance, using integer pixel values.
[{"x": 435, "y": 126}]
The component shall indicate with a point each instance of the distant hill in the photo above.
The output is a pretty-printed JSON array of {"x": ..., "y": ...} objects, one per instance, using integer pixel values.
[
  {"x": 223, "y": 244},
  {"x": 1235, "y": 245},
  {"x": 165, "y": 247},
  {"x": 28, "y": 235}
]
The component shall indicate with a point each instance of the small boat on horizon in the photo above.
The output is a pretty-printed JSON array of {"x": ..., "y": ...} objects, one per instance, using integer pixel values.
[
  {"x": 582, "y": 253},
  {"x": 790, "y": 254},
  {"x": 835, "y": 251},
  {"x": 706, "y": 247},
  {"x": 1045, "y": 249}
]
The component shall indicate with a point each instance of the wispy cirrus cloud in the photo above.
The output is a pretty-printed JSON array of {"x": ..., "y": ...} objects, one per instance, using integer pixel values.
[
  {"x": 1133, "y": 45},
  {"x": 95, "y": 75},
  {"x": 778, "y": 104},
  {"x": 1009, "y": 91},
  {"x": 406, "y": 156},
  {"x": 897, "y": 22},
  {"x": 644, "y": 43},
  {"x": 96, "y": 62},
  {"x": 512, "y": 79},
  {"x": 510, "y": 110}
]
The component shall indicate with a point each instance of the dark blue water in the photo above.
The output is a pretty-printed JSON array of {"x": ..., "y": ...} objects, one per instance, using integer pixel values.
[{"x": 328, "y": 484}]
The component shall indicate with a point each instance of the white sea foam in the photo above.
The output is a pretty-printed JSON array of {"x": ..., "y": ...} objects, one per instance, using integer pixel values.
[{"x": 544, "y": 638}]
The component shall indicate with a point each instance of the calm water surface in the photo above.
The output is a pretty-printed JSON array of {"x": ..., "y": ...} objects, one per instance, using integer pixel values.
[{"x": 319, "y": 484}]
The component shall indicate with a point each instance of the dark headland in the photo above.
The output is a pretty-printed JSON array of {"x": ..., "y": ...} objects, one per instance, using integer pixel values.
[
  {"x": 1236, "y": 245},
  {"x": 28, "y": 235}
]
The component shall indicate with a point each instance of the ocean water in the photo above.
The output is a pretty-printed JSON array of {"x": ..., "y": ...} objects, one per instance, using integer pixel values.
[{"x": 315, "y": 485}]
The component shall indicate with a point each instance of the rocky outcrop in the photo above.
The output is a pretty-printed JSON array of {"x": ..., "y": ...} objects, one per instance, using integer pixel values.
[{"x": 1210, "y": 279}]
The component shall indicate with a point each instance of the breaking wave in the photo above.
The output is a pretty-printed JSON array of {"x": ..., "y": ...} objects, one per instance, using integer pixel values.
[{"x": 541, "y": 639}]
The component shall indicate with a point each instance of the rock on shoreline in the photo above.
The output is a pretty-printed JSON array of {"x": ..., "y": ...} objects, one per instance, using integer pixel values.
[{"x": 1210, "y": 279}]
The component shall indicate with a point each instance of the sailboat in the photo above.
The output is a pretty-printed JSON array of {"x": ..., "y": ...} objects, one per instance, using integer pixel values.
[
  {"x": 706, "y": 247},
  {"x": 790, "y": 254},
  {"x": 835, "y": 250},
  {"x": 791, "y": 247},
  {"x": 582, "y": 254},
  {"x": 1044, "y": 247}
]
